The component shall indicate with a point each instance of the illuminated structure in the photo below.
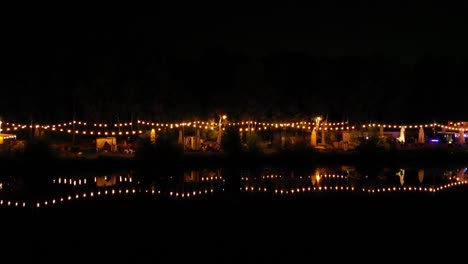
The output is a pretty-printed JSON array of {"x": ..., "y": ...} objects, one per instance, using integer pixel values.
[
  {"x": 313, "y": 135},
  {"x": 107, "y": 143},
  {"x": 7, "y": 138},
  {"x": 401, "y": 138}
]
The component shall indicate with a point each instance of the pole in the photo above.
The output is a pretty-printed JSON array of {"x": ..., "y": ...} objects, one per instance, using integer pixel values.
[
  {"x": 31, "y": 129},
  {"x": 118, "y": 122},
  {"x": 74, "y": 117}
]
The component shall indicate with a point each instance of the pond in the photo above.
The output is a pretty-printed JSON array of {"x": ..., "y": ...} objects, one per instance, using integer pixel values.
[
  {"x": 203, "y": 213},
  {"x": 214, "y": 184}
]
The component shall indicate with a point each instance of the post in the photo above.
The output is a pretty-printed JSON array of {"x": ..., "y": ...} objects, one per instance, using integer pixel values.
[
  {"x": 180, "y": 139},
  {"x": 323, "y": 136},
  {"x": 74, "y": 116},
  {"x": 220, "y": 130},
  {"x": 197, "y": 140},
  {"x": 31, "y": 130},
  {"x": 118, "y": 123}
]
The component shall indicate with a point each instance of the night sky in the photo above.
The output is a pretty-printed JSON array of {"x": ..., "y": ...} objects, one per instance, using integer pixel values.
[{"x": 360, "y": 63}]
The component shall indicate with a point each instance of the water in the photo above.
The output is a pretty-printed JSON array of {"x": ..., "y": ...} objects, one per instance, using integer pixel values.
[
  {"x": 233, "y": 214},
  {"x": 218, "y": 184}
]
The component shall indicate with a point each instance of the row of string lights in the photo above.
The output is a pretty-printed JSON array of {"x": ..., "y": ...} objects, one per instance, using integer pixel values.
[
  {"x": 330, "y": 188},
  {"x": 127, "y": 128},
  {"x": 187, "y": 194},
  {"x": 184, "y": 194},
  {"x": 248, "y": 187}
]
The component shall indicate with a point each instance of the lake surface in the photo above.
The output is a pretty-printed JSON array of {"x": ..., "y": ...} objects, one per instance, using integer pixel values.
[{"x": 232, "y": 214}]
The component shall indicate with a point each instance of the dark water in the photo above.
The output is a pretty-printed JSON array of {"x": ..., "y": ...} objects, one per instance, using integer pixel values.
[{"x": 236, "y": 215}]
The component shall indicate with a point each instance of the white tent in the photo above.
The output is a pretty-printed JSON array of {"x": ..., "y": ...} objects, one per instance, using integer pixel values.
[{"x": 106, "y": 143}]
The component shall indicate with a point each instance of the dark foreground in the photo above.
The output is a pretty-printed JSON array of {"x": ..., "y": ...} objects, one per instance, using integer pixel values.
[{"x": 235, "y": 227}]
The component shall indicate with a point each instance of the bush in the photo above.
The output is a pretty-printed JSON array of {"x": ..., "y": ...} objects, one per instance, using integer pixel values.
[
  {"x": 299, "y": 148},
  {"x": 38, "y": 151},
  {"x": 165, "y": 148},
  {"x": 253, "y": 145},
  {"x": 231, "y": 143},
  {"x": 369, "y": 145}
]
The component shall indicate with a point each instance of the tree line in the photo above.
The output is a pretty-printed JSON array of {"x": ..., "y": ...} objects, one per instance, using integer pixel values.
[{"x": 116, "y": 85}]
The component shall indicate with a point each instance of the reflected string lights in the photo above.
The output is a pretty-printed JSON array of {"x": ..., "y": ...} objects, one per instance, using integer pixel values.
[
  {"x": 289, "y": 185},
  {"x": 112, "y": 192},
  {"x": 281, "y": 184},
  {"x": 12, "y": 203},
  {"x": 204, "y": 183},
  {"x": 123, "y": 192}
]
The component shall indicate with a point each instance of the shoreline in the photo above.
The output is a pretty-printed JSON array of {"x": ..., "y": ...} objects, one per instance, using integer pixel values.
[{"x": 409, "y": 157}]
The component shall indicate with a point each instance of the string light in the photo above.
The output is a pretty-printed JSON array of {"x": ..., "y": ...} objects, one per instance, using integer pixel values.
[{"x": 89, "y": 129}]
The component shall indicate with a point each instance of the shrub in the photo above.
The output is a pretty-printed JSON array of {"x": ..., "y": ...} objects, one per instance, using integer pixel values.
[
  {"x": 165, "y": 148},
  {"x": 253, "y": 144},
  {"x": 38, "y": 151},
  {"x": 369, "y": 145},
  {"x": 231, "y": 143}
]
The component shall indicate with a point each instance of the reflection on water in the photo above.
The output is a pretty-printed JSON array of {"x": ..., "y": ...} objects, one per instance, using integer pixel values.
[
  {"x": 323, "y": 180},
  {"x": 421, "y": 175},
  {"x": 192, "y": 184}
]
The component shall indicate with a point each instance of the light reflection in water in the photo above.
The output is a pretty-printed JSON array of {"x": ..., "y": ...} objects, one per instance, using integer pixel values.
[
  {"x": 199, "y": 183},
  {"x": 317, "y": 181}
]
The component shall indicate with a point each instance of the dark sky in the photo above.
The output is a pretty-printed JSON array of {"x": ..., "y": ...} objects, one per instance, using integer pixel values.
[
  {"x": 61, "y": 48},
  {"x": 320, "y": 29}
]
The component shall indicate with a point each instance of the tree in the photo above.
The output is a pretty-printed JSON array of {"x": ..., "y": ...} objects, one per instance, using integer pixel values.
[{"x": 231, "y": 142}]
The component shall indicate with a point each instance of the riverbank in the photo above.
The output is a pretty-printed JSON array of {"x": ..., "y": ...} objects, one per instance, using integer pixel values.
[{"x": 426, "y": 157}]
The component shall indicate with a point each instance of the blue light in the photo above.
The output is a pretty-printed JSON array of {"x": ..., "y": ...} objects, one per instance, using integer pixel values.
[{"x": 435, "y": 140}]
